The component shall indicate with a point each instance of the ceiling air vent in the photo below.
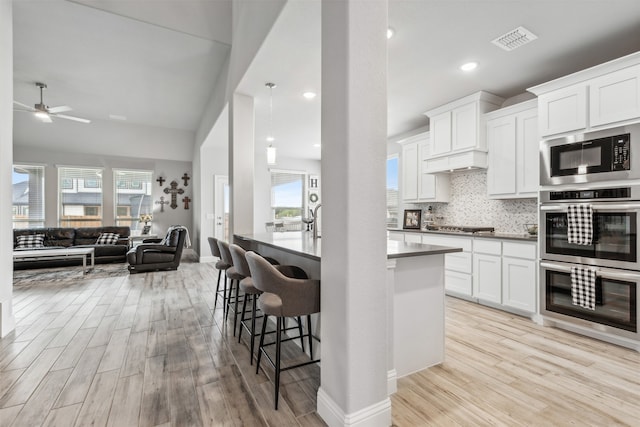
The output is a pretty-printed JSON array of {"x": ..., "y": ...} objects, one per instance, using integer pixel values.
[{"x": 514, "y": 39}]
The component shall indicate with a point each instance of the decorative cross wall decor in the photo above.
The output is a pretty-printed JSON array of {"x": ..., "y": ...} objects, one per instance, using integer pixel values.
[
  {"x": 186, "y": 201},
  {"x": 162, "y": 202},
  {"x": 161, "y": 180},
  {"x": 174, "y": 191},
  {"x": 186, "y": 179}
]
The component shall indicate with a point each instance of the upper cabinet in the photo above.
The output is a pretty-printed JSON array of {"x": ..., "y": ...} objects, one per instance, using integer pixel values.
[
  {"x": 457, "y": 139},
  {"x": 603, "y": 96},
  {"x": 417, "y": 185},
  {"x": 512, "y": 139}
]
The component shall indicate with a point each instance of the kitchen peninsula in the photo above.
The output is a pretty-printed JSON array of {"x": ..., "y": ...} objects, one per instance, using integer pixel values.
[{"x": 415, "y": 284}]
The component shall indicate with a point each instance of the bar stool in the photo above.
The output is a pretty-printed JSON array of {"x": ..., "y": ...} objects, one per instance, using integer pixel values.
[
  {"x": 220, "y": 266},
  {"x": 234, "y": 276},
  {"x": 282, "y": 297}
]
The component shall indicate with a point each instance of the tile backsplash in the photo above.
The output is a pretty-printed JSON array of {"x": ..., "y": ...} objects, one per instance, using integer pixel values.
[{"x": 469, "y": 205}]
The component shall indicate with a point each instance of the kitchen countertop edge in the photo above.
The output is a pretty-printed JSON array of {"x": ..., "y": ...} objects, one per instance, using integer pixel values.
[{"x": 485, "y": 235}]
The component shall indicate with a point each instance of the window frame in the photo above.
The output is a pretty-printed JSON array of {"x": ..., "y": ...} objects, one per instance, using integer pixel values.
[
  {"x": 134, "y": 186},
  {"x": 395, "y": 156},
  {"x": 78, "y": 186},
  {"x": 305, "y": 205},
  {"x": 16, "y": 209}
]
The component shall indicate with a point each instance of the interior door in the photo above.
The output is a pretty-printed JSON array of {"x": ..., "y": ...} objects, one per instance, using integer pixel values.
[{"x": 221, "y": 208}]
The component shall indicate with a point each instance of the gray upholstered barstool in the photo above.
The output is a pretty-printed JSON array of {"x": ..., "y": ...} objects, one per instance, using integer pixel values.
[
  {"x": 282, "y": 297},
  {"x": 220, "y": 266},
  {"x": 234, "y": 276}
]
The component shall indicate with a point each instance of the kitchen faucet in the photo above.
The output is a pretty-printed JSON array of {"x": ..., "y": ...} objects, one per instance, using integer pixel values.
[{"x": 315, "y": 221}]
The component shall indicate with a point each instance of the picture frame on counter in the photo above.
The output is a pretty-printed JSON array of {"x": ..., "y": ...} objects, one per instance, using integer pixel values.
[{"x": 411, "y": 219}]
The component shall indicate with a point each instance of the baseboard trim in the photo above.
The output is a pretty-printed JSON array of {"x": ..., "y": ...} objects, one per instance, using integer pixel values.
[
  {"x": 392, "y": 381},
  {"x": 376, "y": 415}
]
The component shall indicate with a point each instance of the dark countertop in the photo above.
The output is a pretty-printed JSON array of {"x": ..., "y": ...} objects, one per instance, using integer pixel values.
[
  {"x": 302, "y": 243},
  {"x": 505, "y": 236}
]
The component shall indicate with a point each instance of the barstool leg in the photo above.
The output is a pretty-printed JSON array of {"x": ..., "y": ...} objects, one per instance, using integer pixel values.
[
  {"x": 253, "y": 324},
  {"x": 235, "y": 307},
  {"x": 310, "y": 338},
  {"x": 278, "y": 342},
  {"x": 244, "y": 307},
  {"x": 224, "y": 297},
  {"x": 215, "y": 302},
  {"x": 300, "y": 332},
  {"x": 228, "y": 305},
  {"x": 264, "y": 330}
]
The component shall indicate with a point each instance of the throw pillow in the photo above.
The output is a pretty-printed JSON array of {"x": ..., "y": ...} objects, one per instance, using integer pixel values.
[
  {"x": 107, "y": 239},
  {"x": 30, "y": 241}
]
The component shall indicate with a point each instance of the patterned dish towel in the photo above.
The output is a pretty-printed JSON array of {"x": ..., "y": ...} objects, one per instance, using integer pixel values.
[
  {"x": 583, "y": 287},
  {"x": 580, "y": 221}
]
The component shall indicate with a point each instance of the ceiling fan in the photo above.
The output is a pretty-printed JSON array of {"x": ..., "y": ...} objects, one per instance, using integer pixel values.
[{"x": 44, "y": 112}]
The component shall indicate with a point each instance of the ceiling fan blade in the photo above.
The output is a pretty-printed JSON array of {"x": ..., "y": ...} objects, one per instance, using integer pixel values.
[
  {"x": 60, "y": 109},
  {"x": 45, "y": 119},
  {"x": 77, "y": 119},
  {"x": 20, "y": 104}
]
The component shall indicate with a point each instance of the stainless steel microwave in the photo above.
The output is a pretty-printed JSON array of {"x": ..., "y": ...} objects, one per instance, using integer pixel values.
[{"x": 606, "y": 155}]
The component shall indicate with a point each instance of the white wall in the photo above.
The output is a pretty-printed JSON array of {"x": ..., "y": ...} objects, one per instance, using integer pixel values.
[
  {"x": 168, "y": 169},
  {"x": 6, "y": 150},
  {"x": 102, "y": 137},
  {"x": 262, "y": 184}
]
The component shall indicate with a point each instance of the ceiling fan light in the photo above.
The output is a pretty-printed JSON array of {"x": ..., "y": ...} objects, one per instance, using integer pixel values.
[
  {"x": 270, "y": 138},
  {"x": 271, "y": 155},
  {"x": 43, "y": 115}
]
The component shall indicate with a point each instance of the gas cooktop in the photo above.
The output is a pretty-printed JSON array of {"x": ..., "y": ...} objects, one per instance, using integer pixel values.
[{"x": 459, "y": 228}]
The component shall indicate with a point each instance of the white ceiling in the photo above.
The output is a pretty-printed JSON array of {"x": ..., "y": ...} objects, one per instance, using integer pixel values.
[
  {"x": 432, "y": 39},
  {"x": 156, "y": 62}
]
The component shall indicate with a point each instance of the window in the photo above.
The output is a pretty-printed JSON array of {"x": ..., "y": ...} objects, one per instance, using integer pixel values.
[
  {"x": 80, "y": 195},
  {"x": 392, "y": 191},
  {"x": 287, "y": 195},
  {"x": 28, "y": 196},
  {"x": 132, "y": 195}
]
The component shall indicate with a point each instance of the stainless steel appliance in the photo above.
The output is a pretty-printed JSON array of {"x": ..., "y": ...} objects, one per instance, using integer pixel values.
[
  {"x": 613, "y": 253},
  {"x": 616, "y": 310},
  {"x": 606, "y": 155},
  {"x": 460, "y": 228},
  {"x": 615, "y": 227}
]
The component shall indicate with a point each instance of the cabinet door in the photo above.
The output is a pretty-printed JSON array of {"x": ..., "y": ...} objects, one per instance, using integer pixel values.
[
  {"x": 519, "y": 284},
  {"x": 563, "y": 110},
  {"x": 615, "y": 97},
  {"x": 395, "y": 235},
  {"x": 527, "y": 153},
  {"x": 501, "y": 173},
  {"x": 427, "y": 186},
  {"x": 487, "y": 281},
  {"x": 464, "y": 125},
  {"x": 440, "y": 128},
  {"x": 412, "y": 238},
  {"x": 458, "y": 283},
  {"x": 410, "y": 171}
]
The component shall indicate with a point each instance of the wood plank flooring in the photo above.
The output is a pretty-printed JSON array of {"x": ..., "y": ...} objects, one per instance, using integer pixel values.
[{"x": 149, "y": 350}]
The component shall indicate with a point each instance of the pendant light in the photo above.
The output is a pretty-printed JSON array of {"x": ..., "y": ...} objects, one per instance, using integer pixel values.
[{"x": 271, "y": 150}]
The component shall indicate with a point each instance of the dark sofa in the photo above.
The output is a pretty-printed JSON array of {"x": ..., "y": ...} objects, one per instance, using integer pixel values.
[{"x": 77, "y": 237}]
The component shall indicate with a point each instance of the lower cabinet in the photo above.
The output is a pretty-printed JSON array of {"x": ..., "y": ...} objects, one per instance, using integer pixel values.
[{"x": 487, "y": 272}]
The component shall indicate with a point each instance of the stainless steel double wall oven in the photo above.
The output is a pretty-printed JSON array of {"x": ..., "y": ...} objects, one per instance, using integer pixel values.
[{"x": 592, "y": 169}]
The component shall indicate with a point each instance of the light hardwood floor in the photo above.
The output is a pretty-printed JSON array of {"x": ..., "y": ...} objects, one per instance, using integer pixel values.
[{"x": 148, "y": 350}]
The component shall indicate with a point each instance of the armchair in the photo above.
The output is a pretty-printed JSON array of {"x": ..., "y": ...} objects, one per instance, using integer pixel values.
[{"x": 162, "y": 255}]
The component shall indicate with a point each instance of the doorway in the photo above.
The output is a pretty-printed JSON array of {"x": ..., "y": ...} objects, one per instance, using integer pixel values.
[{"x": 221, "y": 208}]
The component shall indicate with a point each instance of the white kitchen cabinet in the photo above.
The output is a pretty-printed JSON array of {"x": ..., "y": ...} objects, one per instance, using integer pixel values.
[
  {"x": 417, "y": 185},
  {"x": 487, "y": 270},
  {"x": 458, "y": 265},
  {"x": 440, "y": 127},
  {"x": 563, "y": 110},
  {"x": 519, "y": 276},
  {"x": 455, "y": 129},
  {"x": 599, "y": 97},
  {"x": 512, "y": 138},
  {"x": 615, "y": 97},
  {"x": 412, "y": 238},
  {"x": 395, "y": 235},
  {"x": 519, "y": 283}
]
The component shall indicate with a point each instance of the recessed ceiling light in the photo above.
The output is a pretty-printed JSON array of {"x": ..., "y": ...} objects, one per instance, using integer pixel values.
[
  {"x": 270, "y": 138},
  {"x": 316, "y": 145},
  {"x": 309, "y": 95},
  {"x": 469, "y": 66},
  {"x": 117, "y": 117},
  {"x": 390, "y": 32}
]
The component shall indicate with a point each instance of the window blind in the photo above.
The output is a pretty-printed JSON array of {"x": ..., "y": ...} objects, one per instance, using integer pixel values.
[
  {"x": 80, "y": 195},
  {"x": 132, "y": 192}
]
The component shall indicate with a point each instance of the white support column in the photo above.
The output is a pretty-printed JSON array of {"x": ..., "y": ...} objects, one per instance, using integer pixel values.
[
  {"x": 7, "y": 321},
  {"x": 353, "y": 387},
  {"x": 241, "y": 164}
]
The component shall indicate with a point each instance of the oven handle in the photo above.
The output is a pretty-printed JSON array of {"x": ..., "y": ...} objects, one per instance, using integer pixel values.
[
  {"x": 600, "y": 272},
  {"x": 595, "y": 206}
]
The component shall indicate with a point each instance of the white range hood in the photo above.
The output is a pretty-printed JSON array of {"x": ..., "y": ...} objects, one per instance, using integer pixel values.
[{"x": 473, "y": 159}]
